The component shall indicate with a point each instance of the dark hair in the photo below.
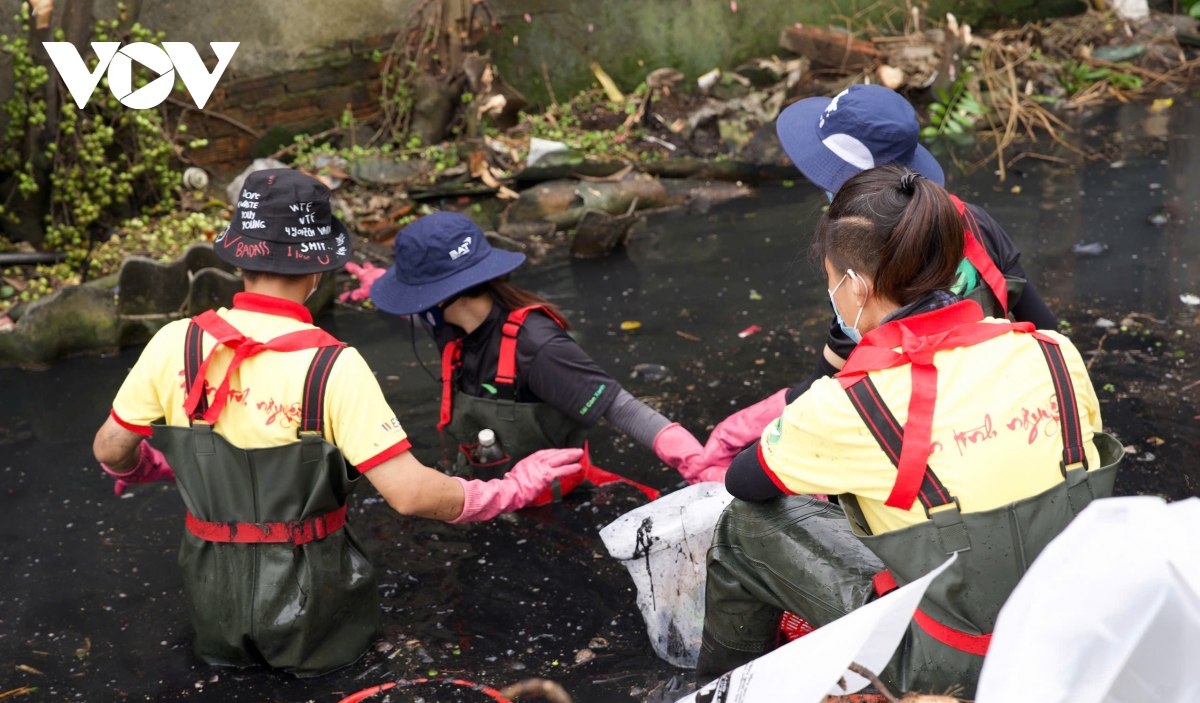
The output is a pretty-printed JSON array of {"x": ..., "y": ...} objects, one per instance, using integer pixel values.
[
  {"x": 897, "y": 227},
  {"x": 511, "y": 297},
  {"x": 256, "y": 276}
]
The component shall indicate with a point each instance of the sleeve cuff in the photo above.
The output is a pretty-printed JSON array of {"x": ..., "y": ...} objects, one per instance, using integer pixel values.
[
  {"x": 143, "y": 430},
  {"x": 771, "y": 474},
  {"x": 395, "y": 450}
]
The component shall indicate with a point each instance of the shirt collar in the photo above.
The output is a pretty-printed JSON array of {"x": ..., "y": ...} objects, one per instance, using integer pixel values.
[
  {"x": 488, "y": 327},
  {"x": 270, "y": 305}
]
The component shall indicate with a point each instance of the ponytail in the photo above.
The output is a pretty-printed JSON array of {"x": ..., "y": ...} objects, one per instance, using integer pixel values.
[{"x": 894, "y": 225}]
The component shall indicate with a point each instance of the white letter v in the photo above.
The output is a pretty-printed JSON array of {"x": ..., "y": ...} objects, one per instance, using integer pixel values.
[
  {"x": 200, "y": 83},
  {"x": 66, "y": 58}
]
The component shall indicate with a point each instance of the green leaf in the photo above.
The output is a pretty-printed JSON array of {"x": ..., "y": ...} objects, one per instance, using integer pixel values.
[
  {"x": 1194, "y": 10},
  {"x": 929, "y": 132},
  {"x": 937, "y": 109},
  {"x": 953, "y": 127},
  {"x": 943, "y": 96}
]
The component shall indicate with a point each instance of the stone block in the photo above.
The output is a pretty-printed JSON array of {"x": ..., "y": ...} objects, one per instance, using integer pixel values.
[{"x": 73, "y": 320}]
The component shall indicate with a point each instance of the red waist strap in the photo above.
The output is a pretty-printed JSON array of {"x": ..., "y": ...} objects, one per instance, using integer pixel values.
[
  {"x": 296, "y": 533},
  {"x": 962, "y": 641}
]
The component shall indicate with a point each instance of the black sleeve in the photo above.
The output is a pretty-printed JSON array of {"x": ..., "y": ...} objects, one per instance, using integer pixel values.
[
  {"x": 823, "y": 369},
  {"x": 1031, "y": 308},
  {"x": 999, "y": 245},
  {"x": 561, "y": 374},
  {"x": 837, "y": 340},
  {"x": 748, "y": 480}
]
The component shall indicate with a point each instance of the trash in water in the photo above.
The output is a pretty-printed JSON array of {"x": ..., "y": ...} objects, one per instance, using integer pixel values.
[
  {"x": 1093, "y": 249},
  {"x": 629, "y": 325},
  {"x": 1161, "y": 104},
  {"x": 655, "y": 373},
  {"x": 29, "y": 669},
  {"x": 1159, "y": 219},
  {"x": 689, "y": 337},
  {"x": 598, "y": 643},
  {"x": 1104, "y": 323},
  {"x": 753, "y": 329},
  {"x": 584, "y": 656},
  {"x": 610, "y": 88},
  {"x": 755, "y": 295},
  {"x": 1189, "y": 299},
  {"x": 1117, "y": 164}
]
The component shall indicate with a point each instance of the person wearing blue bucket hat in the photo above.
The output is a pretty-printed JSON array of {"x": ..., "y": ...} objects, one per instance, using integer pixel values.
[
  {"x": 830, "y": 140},
  {"x": 513, "y": 381}
]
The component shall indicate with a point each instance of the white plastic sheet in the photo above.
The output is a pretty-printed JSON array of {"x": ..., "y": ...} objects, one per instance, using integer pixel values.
[
  {"x": 1108, "y": 613},
  {"x": 808, "y": 669},
  {"x": 664, "y": 544}
]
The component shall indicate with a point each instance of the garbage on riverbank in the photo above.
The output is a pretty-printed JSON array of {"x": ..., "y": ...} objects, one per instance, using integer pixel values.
[{"x": 451, "y": 133}]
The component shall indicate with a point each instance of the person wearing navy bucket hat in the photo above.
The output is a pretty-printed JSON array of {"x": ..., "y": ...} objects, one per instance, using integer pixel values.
[
  {"x": 267, "y": 439},
  {"x": 833, "y": 139},
  {"x": 513, "y": 380}
]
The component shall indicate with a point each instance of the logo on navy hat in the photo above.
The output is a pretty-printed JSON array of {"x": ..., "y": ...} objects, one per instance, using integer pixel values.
[{"x": 864, "y": 126}]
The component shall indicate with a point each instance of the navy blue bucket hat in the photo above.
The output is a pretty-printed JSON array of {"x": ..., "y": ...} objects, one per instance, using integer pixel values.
[
  {"x": 438, "y": 257},
  {"x": 832, "y": 140}
]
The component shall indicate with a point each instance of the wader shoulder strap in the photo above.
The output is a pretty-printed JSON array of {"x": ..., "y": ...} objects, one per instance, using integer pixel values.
[
  {"x": 451, "y": 358},
  {"x": 886, "y": 430},
  {"x": 312, "y": 408},
  {"x": 506, "y": 365},
  {"x": 243, "y": 348},
  {"x": 193, "y": 357},
  {"x": 975, "y": 252},
  {"x": 1079, "y": 491}
]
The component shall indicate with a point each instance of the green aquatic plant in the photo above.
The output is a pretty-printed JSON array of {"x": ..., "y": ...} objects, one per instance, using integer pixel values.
[{"x": 955, "y": 111}]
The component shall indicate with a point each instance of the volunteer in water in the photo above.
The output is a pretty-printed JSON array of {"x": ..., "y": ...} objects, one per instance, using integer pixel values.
[
  {"x": 830, "y": 140},
  {"x": 267, "y": 424},
  {"x": 946, "y": 431},
  {"x": 508, "y": 364}
]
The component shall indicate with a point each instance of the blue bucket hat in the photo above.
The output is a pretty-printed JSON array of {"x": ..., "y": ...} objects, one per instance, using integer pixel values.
[
  {"x": 832, "y": 140},
  {"x": 438, "y": 257}
]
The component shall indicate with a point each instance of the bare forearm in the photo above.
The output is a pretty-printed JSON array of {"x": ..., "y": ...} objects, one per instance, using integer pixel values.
[
  {"x": 412, "y": 488},
  {"x": 116, "y": 447}
]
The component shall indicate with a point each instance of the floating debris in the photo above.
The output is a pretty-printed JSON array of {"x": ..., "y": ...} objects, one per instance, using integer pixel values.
[
  {"x": 584, "y": 656},
  {"x": 630, "y": 325},
  {"x": 1104, "y": 323},
  {"x": 655, "y": 373},
  {"x": 1189, "y": 299},
  {"x": 754, "y": 329},
  {"x": 1093, "y": 249}
]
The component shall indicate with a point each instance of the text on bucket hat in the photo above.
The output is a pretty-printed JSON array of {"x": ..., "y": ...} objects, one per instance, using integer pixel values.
[{"x": 283, "y": 223}]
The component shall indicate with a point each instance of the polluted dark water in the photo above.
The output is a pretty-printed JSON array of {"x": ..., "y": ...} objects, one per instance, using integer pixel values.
[{"x": 91, "y": 603}]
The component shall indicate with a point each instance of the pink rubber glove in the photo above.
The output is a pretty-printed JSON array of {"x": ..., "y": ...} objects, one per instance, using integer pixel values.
[
  {"x": 151, "y": 466},
  {"x": 484, "y": 500},
  {"x": 740, "y": 430},
  {"x": 681, "y": 451},
  {"x": 366, "y": 274}
]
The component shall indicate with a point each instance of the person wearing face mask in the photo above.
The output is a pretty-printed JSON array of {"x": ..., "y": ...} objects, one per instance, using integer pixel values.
[
  {"x": 267, "y": 423},
  {"x": 508, "y": 364},
  {"x": 831, "y": 140},
  {"x": 945, "y": 432}
]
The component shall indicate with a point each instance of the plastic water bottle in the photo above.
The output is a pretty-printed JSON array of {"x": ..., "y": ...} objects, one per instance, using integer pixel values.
[{"x": 488, "y": 451}]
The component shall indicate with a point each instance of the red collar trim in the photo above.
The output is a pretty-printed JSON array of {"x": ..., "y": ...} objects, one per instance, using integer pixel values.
[
  {"x": 270, "y": 305},
  {"x": 924, "y": 325}
]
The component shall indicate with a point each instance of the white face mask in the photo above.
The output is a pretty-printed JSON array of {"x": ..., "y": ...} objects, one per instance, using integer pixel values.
[
  {"x": 314, "y": 288},
  {"x": 850, "y": 331}
]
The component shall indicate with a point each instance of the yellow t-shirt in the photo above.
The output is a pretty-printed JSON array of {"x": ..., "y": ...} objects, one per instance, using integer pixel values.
[
  {"x": 266, "y": 391},
  {"x": 995, "y": 433}
]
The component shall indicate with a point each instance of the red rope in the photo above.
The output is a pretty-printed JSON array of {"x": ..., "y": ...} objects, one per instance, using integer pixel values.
[{"x": 406, "y": 683}]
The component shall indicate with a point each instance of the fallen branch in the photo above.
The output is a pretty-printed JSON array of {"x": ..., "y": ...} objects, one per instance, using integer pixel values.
[
  {"x": 307, "y": 140},
  {"x": 215, "y": 115}
]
